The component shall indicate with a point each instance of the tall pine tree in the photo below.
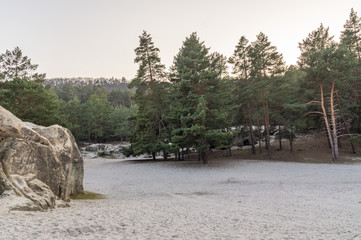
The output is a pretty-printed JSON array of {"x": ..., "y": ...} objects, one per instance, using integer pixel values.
[
  {"x": 266, "y": 66},
  {"x": 351, "y": 35},
  {"x": 351, "y": 39},
  {"x": 150, "y": 134},
  {"x": 197, "y": 116},
  {"x": 328, "y": 67},
  {"x": 14, "y": 65},
  {"x": 243, "y": 98}
]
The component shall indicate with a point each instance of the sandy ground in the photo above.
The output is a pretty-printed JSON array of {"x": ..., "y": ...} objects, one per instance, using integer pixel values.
[{"x": 232, "y": 200}]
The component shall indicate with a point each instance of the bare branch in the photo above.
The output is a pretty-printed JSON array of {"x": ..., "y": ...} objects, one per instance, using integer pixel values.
[
  {"x": 343, "y": 135},
  {"x": 313, "y": 112},
  {"x": 310, "y": 102}
]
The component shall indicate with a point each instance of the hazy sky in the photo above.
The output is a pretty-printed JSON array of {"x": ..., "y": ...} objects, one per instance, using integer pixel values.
[{"x": 97, "y": 38}]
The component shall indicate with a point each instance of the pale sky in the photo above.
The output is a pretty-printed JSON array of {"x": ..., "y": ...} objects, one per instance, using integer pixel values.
[{"x": 97, "y": 38}]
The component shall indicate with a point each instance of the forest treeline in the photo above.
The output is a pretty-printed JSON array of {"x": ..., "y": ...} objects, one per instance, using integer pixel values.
[
  {"x": 200, "y": 104},
  {"x": 108, "y": 83},
  {"x": 93, "y": 113}
]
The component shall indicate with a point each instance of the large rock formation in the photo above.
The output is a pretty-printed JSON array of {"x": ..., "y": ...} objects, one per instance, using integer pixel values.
[{"x": 38, "y": 165}]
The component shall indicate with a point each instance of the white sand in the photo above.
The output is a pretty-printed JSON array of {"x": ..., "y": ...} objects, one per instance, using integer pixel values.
[{"x": 237, "y": 200}]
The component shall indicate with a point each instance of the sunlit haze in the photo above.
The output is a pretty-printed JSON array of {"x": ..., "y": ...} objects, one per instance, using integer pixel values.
[{"x": 93, "y": 38}]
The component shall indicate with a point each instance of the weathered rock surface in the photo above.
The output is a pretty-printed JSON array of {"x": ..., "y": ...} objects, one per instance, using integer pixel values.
[
  {"x": 38, "y": 165},
  {"x": 102, "y": 149}
]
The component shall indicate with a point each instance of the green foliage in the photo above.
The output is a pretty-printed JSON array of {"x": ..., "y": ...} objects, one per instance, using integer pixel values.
[
  {"x": 198, "y": 105},
  {"x": 328, "y": 62},
  {"x": 91, "y": 113},
  {"x": 122, "y": 124},
  {"x": 150, "y": 134},
  {"x": 356, "y": 138},
  {"x": 316, "y": 41},
  {"x": 14, "y": 65},
  {"x": 351, "y": 35},
  {"x": 351, "y": 39},
  {"x": 71, "y": 113},
  {"x": 197, "y": 108},
  {"x": 30, "y": 101},
  {"x": 240, "y": 59},
  {"x": 119, "y": 98},
  {"x": 258, "y": 69},
  {"x": 98, "y": 116}
]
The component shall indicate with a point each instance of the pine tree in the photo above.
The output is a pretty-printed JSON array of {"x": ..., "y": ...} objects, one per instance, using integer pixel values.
[
  {"x": 266, "y": 66},
  {"x": 71, "y": 114},
  {"x": 316, "y": 41},
  {"x": 290, "y": 107},
  {"x": 150, "y": 135},
  {"x": 196, "y": 115},
  {"x": 102, "y": 113},
  {"x": 240, "y": 59},
  {"x": 351, "y": 39},
  {"x": 14, "y": 65},
  {"x": 351, "y": 35},
  {"x": 87, "y": 119},
  {"x": 30, "y": 101},
  {"x": 122, "y": 125},
  {"x": 243, "y": 99},
  {"x": 328, "y": 67}
]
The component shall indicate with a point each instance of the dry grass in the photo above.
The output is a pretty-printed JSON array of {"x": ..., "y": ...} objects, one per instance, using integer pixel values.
[
  {"x": 88, "y": 196},
  {"x": 306, "y": 148}
]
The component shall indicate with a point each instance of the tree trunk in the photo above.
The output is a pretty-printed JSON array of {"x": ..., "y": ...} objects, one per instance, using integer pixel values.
[
  {"x": 279, "y": 127},
  {"x": 153, "y": 155},
  {"x": 291, "y": 141},
  {"x": 345, "y": 125},
  {"x": 204, "y": 157},
  {"x": 334, "y": 157},
  {"x": 348, "y": 132},
  {"x": 267, "y": 126},
  {"x": 280, "y": 136},
  {"x": 251, "y": 131},
  {"x": 228, "y": 152},
  {"x": 260, "y": 139},
  {"x": 328, "y": 138},
  {"x": 334, "y": 127},
  {"x": 265, "y": 141},
  {"x": 165, "y": 155}
]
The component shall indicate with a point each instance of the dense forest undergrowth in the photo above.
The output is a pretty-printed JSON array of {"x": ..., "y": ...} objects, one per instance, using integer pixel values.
[{"x": 206, "y": 100}]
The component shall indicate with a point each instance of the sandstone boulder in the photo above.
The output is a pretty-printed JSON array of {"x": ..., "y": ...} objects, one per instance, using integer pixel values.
[{"x": 38, "y": 165}]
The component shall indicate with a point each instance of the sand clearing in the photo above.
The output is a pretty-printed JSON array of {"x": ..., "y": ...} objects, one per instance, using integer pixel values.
[{"x": 232, "y": 200}]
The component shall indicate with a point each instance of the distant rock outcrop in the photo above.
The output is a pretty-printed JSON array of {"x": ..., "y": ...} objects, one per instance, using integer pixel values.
[
  {"x": 38, "y": 165},
  {"x": 102, "y": 150}
]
